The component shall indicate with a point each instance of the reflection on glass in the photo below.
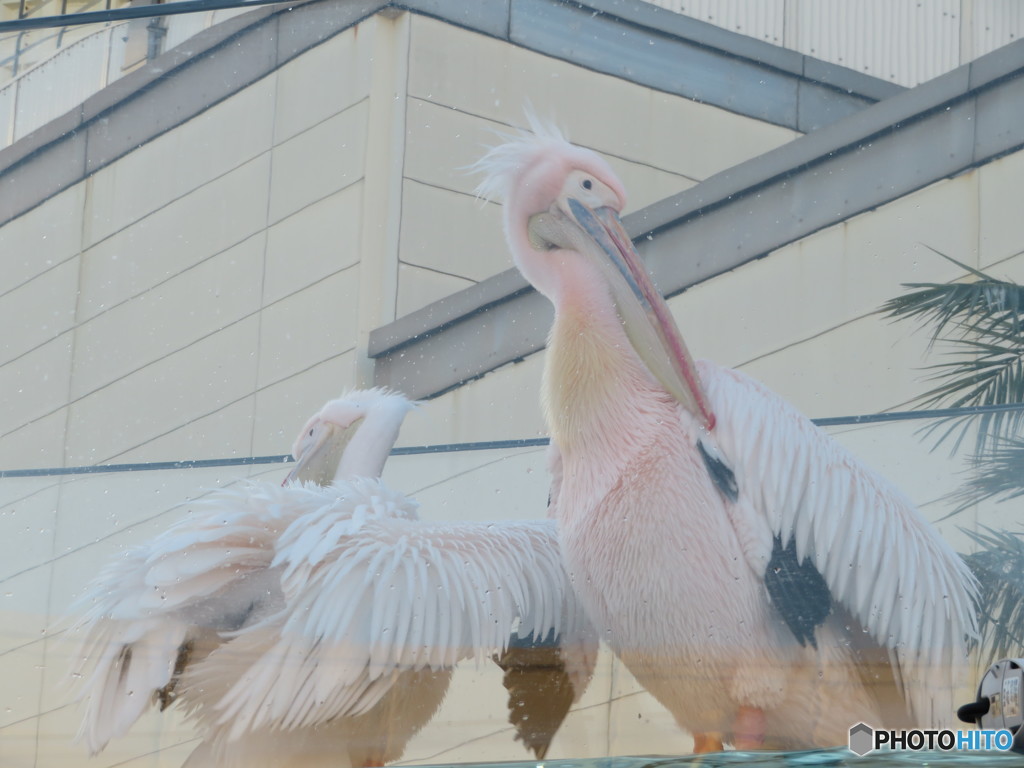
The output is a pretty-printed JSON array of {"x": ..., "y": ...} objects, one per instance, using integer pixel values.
[
  {"x": 207, "y": 228},
  {"x": 101, "y": 516}
]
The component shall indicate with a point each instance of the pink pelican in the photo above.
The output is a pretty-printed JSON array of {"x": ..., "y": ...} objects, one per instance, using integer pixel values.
[
  {"x": 303, "y": 625},
  {"x": 768, "y": 589}
]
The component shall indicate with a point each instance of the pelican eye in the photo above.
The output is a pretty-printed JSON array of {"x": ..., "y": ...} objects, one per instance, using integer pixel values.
[
  {"x": 311, "y": 431},
  {"x": 587, "y": 184}
]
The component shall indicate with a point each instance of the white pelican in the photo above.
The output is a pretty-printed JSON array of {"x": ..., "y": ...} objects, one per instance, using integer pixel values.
[
  {"x": 320, "y": 625},
  {"x": 379, "y": 608},
  {"x": 764, "y": 586},
  {"x": 165, "y": 604}
]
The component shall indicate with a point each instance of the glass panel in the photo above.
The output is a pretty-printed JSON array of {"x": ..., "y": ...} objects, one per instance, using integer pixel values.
[
  {"x": 212, "y": 222},
  {"x": 62, "y": 529}
]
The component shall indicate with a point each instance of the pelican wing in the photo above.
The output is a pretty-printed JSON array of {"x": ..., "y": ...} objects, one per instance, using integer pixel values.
[
  {"x": 370, "y": 598},
  {"x": 882, "y": 561},
  {"x": 205, "y": 575},
  {"x": 544, "y": 677}
]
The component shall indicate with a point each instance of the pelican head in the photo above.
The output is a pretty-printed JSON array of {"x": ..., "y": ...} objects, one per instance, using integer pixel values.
[
  {"x": 349, "y": 437},
  {"x": 562, "y": 208}
]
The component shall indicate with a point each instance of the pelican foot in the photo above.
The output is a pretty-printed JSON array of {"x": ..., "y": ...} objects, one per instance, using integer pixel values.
[
  {"x": 748, "y": 728},
  {"x": 707, "y": 742}
]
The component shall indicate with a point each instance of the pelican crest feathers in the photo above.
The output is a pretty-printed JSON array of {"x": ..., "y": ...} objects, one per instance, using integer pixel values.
[{"x": 502, "y": 164}]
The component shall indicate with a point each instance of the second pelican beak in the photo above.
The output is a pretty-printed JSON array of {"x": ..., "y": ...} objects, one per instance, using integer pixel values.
[
  {"x": 318, "y": 452},
  {"x": 646, "y": 318}
]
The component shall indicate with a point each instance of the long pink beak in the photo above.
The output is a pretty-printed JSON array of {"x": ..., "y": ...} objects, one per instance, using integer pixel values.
[{"x": 646, "y": 318}]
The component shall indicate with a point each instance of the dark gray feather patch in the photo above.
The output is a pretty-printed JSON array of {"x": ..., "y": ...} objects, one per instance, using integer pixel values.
[{"x": 798, "y": 592}]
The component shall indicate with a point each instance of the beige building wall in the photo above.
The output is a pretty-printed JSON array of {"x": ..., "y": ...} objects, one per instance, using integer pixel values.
[{"x": 201, "y": 296}]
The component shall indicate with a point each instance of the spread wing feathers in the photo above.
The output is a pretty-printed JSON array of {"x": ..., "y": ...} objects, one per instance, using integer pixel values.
[
  {"x": 205, "y": 575},
  {"x": 540, "y": 693},
  {"x": 544, "y": 680},
  {"x": 132, "y": 661},
  {"x": 367, "y": 601},
  {"x": 881, "y": 559}
]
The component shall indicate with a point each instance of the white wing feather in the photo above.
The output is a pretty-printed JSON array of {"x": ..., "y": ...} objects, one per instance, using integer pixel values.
[
  {"x": 370, "y": 596},
  {"x": 880, "y": 558},
  {"x": 205, "y": 575}
]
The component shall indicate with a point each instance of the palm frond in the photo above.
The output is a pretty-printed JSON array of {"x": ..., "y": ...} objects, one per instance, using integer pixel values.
[
  {"x": 983, "y": 323},
  {"x": 987, "y": 303},
  {"x": 998, "y": 474},
  {"x": 986, "y": 297},
  {"x": 998, "y": 565},
  {"x": 981, "y": 372}
]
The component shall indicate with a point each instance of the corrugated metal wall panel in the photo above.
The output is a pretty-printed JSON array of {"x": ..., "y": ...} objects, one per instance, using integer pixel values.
[
  {"x": 62, "y": 82},
  {"x": 903, "y": 41},
  {"x": 996, "y": 23},
  {"x": 763, "y": 19},
  {"x": 183, "y": 26}
]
